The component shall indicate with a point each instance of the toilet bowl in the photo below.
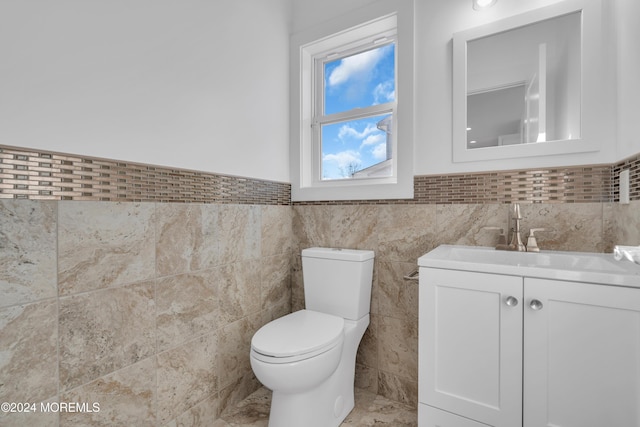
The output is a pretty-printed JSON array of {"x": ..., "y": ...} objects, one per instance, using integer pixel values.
[
  {"x": 297, "y": 352},
  {"x": 307, "y": 358},
  {"x": 314, "y": 390}
]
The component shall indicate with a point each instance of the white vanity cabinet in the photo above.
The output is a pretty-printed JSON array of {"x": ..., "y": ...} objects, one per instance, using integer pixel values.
[
  {"x": 506, "y": 349},
  {"x": 470, "y": 345}
]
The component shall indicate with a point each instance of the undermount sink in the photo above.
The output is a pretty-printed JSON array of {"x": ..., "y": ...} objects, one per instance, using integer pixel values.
[{"x": 574, "y": 266}]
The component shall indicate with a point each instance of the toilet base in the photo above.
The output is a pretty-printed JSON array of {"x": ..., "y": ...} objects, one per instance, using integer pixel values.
[{"x": 328, "y": 404}]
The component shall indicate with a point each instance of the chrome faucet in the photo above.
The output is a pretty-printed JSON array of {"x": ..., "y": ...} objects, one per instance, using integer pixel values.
[{"x": 516, "y": 240}]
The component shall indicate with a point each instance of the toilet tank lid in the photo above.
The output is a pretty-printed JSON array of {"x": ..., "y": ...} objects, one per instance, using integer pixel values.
[{"x": 338, "y": 254}]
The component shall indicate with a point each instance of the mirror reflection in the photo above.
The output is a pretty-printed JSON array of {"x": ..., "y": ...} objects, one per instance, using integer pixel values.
[{"x": 523, "y": 85}]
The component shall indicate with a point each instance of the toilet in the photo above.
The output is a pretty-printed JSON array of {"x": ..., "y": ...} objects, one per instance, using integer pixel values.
[{"x": 307, "y": 358}]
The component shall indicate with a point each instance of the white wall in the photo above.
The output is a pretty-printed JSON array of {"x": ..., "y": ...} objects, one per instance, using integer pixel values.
[
  {"x": 627, "y": 15},
  {"x": 194, "y": 84},
  {"x": 434, "y": 63},
  {"x": 435, "y": 23}
]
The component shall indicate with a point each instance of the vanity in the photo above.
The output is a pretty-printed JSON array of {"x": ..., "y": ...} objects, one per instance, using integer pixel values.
[{"x": 511, "y": 339}]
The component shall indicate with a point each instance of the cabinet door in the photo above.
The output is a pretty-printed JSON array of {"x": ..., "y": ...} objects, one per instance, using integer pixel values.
[
  {"x": 581, "y": 355},
  {"x": 434, "y": 417},
  {"x": 470, "y": 345}
]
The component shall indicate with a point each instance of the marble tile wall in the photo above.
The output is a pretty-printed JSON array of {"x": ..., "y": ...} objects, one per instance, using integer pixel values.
[
  {"x": 387, "y": 362},
  {"x": 144, "y": 308},
  {"x": 149, "y": 308}
]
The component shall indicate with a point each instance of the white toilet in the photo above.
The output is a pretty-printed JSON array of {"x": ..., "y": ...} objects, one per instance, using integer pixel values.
[{"x": 308, "y": 358}]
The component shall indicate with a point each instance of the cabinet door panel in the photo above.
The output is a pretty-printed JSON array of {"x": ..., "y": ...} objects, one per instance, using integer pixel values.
[
  {"x": 428, "y": 416},
  {"x": 581, "y": 355},
  {"x": 471, "y": 345}
]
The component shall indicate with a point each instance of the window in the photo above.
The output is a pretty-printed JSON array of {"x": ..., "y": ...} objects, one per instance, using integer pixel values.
[
  {"x": 353, "y": 116},
  {"x": 348, "y": 85}
]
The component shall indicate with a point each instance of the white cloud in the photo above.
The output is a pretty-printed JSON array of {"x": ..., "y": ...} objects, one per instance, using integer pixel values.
[
  {"x": 359, "y": 64},
  {"x": 379, "y": 152},
  {"x": 343, "y": 158},
  {"x": 341, "y": 164},
  {"x": 373, "y": 140},
  {"x": 384, "y": 92},
  {"x": 348, "y": 131}
]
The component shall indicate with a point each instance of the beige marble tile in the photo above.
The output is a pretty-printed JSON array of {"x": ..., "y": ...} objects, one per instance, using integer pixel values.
[
  {"x": 398, "y": 389},
  {"x": 368, "y": 349},
  {"x": 186, "y": 376},
  {"x": 234, "y": 345},
  {"x": 297, "y": 284},
  {"x": 464, "y": 224},
  {"x": 204, "y": 414},
  {"x": 397, "y": 297},
  {"x": 372, "y": 410},
  {"x": 28, "y": 352},
  {"x": 275, "y": 312},
  {"x": 366, "y": 378},
  {"x": 369, "y": 410},
  {"x": 354, "y": 227},
  {"x": 125, "y": 398},
  {"x": 275, "y": 280},
  {"x": 102, "y": 245},
  {"x": 569, "y": 226},
  {"x": 236, "y": 392},
  {"x": 398, "y": 346},
  {"x": 103, "y": 331},
  {"x": 27, "y": 251},
  {"x": 187, "y": 237},
  {"x": 622, "y": 224},
  {"x": 252, "y": 411},
  {"x": 240, "y": 233},
  {"x": 406, "y": 232},
  {"x": 187, "y": 306},
  {"x": 277, "y": 230},
  {"x": 238, "y": 290},
  {"x": 312, "y": 226},
  {"x": 31, "y": 419}
]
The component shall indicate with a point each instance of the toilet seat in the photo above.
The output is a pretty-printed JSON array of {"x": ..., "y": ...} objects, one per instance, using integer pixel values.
[{"x": 297, "y": 336}]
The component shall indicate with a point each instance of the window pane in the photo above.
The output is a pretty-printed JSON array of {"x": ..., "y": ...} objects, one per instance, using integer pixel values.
[
  {"x": 360, "y": 80},
  {"x": 357, "y": 148}
]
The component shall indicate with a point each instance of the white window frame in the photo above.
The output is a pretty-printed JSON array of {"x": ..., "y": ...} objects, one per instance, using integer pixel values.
[
  {"x": 319, "y": 118},
  {"x": 358, "y": 29}
]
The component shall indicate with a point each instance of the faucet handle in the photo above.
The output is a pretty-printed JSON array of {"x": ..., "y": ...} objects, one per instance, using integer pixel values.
[{"x": 532, "y": 243}]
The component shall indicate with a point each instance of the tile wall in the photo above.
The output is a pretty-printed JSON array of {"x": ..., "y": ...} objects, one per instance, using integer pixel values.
[
  {"x": 144, "y": 308},
  {"x": 147, "y": 306},
  {"x": 387, "y": 361}
]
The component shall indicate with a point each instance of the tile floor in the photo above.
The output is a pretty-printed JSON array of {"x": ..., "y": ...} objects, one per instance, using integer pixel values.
[{"x": 370, "y": 410}]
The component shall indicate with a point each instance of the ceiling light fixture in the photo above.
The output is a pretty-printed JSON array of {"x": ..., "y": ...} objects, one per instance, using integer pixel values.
[{"x": 483, "y": 4}]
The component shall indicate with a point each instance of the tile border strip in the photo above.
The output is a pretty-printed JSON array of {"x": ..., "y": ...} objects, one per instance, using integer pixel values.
[{"x": 43, "y": 175}]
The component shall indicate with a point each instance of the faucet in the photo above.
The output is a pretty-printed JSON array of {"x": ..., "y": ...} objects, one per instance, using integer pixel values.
[
  {"x": 516, "y": 243},
  {"x": 516, "y": 240}
]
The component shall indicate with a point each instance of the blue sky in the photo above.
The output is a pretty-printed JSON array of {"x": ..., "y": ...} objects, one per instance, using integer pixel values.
[{"x": 357, "y": 81}]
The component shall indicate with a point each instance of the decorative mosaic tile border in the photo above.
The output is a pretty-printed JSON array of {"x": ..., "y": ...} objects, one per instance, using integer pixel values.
[
  {"x": 633, "y": 164},
  {"x": 553, "y": 185},
  {"x": 34, "y": 174}
]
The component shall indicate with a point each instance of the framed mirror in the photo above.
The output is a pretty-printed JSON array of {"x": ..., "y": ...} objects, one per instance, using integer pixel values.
[{"x": 528, "y": 85}]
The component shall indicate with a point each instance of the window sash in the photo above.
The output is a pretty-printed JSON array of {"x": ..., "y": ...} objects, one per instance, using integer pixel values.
[{"x": 319, "y": 119}]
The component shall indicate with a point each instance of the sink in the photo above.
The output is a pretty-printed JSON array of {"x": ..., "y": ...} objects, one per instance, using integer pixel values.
[{"x": 573, "y": 266}]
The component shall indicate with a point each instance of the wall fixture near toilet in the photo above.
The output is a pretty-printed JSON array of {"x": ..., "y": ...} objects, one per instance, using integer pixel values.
[{"x": 530, "y": 85}]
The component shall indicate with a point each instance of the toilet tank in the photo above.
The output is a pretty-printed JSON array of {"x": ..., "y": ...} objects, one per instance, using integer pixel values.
[{"x": 338, "y": 281}]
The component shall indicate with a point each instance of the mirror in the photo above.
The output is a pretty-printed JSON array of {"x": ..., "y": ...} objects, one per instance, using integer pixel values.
[{"x": 519, "y": 84}]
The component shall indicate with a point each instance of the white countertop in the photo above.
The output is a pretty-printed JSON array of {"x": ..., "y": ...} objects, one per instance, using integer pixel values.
[{"x": 573, "y": 266}]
